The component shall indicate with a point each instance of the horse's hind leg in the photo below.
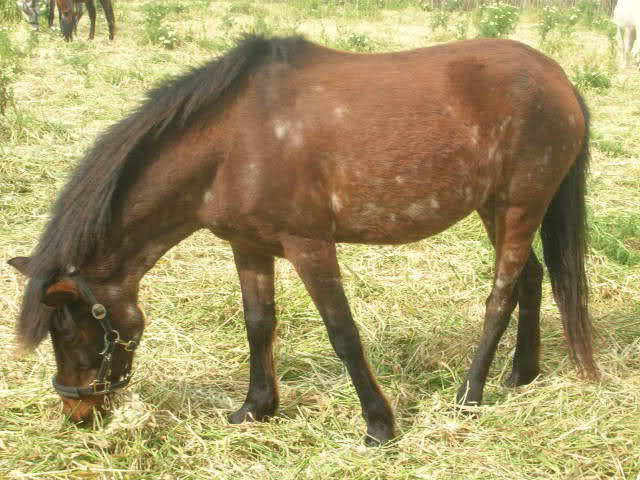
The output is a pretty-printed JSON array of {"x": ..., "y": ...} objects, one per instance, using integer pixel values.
[
  {"x": 111, "y": 20},
  {"x": 257, "y": 285},
  {"x": 91, "y": 8},
  {"x": 528, "y": 294},
  {"x": 316, "y": 263},
  {"x": 527, "y": 355},
  {"x": 513, "y": 229}
]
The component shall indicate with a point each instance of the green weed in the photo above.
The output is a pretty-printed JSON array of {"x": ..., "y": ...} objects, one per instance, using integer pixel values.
[
  {"x": 590, "y": 75},
  {"x": 617, "y": 237},
  {"x": 613, "y": 147}
]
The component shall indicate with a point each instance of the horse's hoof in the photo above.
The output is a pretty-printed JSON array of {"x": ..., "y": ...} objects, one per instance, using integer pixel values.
[
  {"x": 517, "y": 379},
  {"x": 378, "y": 435},
  {"x": 250, "y": 413},
  {"x": 241, "y": 416}
]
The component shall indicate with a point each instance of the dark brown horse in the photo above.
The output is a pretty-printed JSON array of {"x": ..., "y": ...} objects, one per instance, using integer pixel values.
[
  {"x": 70, "y": 12},
  {"x": 284, "y": 148}
]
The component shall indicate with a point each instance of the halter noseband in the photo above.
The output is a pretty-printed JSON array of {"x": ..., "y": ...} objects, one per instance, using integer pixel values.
[{"x": 101, "y": 385}]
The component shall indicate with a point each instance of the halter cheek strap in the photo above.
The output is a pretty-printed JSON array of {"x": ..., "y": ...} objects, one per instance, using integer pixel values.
[{"x": 101, "y": 385}]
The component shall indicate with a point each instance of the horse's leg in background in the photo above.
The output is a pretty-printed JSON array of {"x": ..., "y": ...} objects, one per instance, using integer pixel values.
[
  {"x": 77, "y": 15},
  {"x": 111, "y": 20},
  {"x": 317, "y": 265},
  {"x": 626, "y": 38},
  {"x": 514, "y": 229},
  {"x": 635, "y": 41},
  {"x": 51, "y": 8},
  {"x": 528, "y": 293},
  {"x": 622, "y": 60},
  {"x": 257, "y": 285},
  {"x": 91, "y": 8}
]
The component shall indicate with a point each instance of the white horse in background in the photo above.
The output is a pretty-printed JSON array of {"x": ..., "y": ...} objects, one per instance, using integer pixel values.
[{"x": 627, "y": 17}]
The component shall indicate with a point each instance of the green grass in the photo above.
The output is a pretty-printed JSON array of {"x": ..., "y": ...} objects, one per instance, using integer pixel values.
[{"x": 419, "y": 306}]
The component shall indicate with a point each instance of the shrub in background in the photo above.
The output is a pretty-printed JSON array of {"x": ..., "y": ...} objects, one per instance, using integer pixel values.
[
  {"x": 355, "y": 42},
  {"x": 9, "y": 12},
  {"x": 496, "y": 19},
  {"x": 9, "y": 63},
  {"x": 557, "y": 19},
  {"x": 155, "y": 29}
]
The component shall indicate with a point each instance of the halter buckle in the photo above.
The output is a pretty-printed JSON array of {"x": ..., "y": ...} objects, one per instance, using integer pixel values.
[{"x": 101, "y": 388}]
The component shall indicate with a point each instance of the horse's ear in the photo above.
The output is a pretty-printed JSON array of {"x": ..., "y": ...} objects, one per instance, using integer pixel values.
[
  {"x": 21, "y": 264},
  {"x": 61, "y": 293}
]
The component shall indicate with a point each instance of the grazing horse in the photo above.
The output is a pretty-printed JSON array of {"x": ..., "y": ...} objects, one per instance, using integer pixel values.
[
  {"x": 284, "y": 148},
  {"x": 70, "y": 12},
  {"x": 626, "y": 16}
]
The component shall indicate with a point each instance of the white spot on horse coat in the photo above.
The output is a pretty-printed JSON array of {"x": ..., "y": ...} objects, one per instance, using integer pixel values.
[
  {"x": 339, "y": 112},
  {"x": 500, "y": 283},
  {"x": 505, "y": 123},
  {"x": 113, "y": 291},
  {"x": 475, "y": 134},
  {"x": 435, "y": 204},
  {"x": 415, "y": 210},
  {"x": 207, "y": 197},
  {"x": 492, "y": 151},
  {"x": 131, "y": 310},
  {"x": 505, "y": 280},
  {"x": 292, "y": 130},
  {"x": 336, "y": 203},
  {"x": 281, "y": 128}
]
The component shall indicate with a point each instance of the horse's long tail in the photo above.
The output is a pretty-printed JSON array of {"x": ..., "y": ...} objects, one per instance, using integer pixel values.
[{"x": 564, "y": 232}]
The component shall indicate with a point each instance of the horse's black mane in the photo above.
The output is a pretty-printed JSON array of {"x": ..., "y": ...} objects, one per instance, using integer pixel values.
[{"x": 82, "y": 213}]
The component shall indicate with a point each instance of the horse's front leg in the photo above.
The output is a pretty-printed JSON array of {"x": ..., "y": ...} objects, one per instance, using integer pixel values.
[
  {"x": 111, "y": 20},
  {"x": 316, "y": 263},
  {"x": 91, "y": 8},
  {"x": 257, "y": 285}
]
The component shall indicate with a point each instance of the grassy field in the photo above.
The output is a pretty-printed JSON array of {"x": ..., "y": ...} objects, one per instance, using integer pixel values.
[{"x": 419, "y": 306}]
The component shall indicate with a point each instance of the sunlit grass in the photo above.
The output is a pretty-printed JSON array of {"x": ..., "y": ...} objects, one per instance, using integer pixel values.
[{"x": 419, "y": 306}]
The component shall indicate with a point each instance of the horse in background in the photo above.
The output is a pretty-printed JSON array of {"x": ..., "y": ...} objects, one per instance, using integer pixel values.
[
  {"x": 70, "y": 12},
  {"x": 626, "y": 16}
]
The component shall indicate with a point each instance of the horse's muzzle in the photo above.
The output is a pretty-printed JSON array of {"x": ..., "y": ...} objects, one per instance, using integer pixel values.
[{"x": 81, "y": 409}]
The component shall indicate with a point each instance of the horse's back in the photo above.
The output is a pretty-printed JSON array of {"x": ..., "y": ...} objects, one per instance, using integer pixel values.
[{"x": 395, "y": 147}]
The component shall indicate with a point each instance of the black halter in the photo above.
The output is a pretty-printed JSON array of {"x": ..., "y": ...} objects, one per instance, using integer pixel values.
[{"x": 101, "y": 385}]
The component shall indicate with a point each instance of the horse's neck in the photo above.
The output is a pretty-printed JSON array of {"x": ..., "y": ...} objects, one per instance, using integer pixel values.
[{"x": 158, "y": 212}]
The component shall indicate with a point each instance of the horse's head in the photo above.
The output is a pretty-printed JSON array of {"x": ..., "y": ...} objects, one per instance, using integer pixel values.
[
  {"x": 70, "y": 13},
  {"x": 94, "y": 327}
]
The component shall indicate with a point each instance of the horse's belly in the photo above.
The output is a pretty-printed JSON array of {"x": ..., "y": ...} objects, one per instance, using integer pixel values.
[{"x": 399, "y": 221}]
